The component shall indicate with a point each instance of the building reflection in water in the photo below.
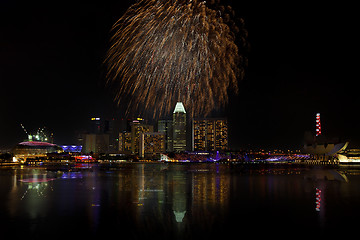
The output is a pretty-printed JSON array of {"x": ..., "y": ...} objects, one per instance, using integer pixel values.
[
  {"x": 94, "y": 190},
  {"x": 179, "y": 194},
  {"x": 174, "y": 196},
  {"x": 29, "y": 190},
  {"x": 174, "y": 201}
]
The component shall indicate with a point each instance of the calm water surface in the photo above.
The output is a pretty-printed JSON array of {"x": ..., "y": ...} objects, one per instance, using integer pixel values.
[{"x": 178, "y": 201}]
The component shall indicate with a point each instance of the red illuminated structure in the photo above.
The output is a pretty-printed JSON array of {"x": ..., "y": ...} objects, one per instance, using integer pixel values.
[
  {"x": 84, "y": 159},
  {"x": 318, "y": 199},
  {"x": 318, "y": 125}
]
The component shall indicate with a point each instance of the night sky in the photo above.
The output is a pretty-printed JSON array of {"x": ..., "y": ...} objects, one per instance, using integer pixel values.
[{"x": 302, "y": 61}]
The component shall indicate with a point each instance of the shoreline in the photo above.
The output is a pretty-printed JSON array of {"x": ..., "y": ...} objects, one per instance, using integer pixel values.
[{"x": 113, "y": 163}]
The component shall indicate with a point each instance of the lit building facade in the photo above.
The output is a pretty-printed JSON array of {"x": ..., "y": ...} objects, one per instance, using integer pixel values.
[
  {"x": 101, "y": 136},
  {"x": 125, "y": 142},
  {"x": 95, "y": 143},
  {"x": 136, "y": 129},
  {"x": 95, "y": 125},
  {"x": 165, "y": 126},
  {"x": 151, "y": 144},
  {"x": 210, "y": 134},
  {"x": 72, "y": 148},
  {"x": 34, "y": 149},
  {"x": 179, "y": 128},
  {"x": 221, "y": 135}
]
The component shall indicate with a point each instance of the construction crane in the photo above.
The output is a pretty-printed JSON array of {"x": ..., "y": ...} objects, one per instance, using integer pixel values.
[
  {"x": 38, "y": 136},
  {"x": 27, "y": 134}
]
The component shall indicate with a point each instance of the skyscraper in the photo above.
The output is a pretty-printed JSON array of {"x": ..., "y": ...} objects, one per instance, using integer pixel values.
[
  {"x": 136, "y": 129},
  {"x": 97, "y": 138},
  {"x": 210, "y": 134},
  {"x": 125, "y": 142},
  {"x": 165, "y": 126},
  {"x": 179, "y": 128},
  {"x": 151, "y": 144},
  {"x": 95, "y": 125}
]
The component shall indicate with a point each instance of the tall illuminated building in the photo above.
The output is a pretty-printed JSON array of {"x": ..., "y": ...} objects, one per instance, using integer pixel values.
[
  {"x": 179, "y": 128},
  {"x": 137, "y": 129},
  {"x": 97, "y": 139},
  {"x": 210, "y": 134},
  {"x": 95, "y": 125},
  {"x": 165, "y": 126},
  {"x": 95, "y": 143},
  {"x": 151, "y": 144},
  {"x": 125, "y": 142}
]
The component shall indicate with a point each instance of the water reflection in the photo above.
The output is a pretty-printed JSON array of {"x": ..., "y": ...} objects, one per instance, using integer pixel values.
[
  {"x": 172, "y": 201},
  {"x": 179, "y": 194},
  {"x": 29, "y": 190}
]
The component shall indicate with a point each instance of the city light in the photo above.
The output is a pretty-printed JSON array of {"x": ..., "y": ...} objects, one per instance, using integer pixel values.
[
  {"x": 318, "y": 199},
  {"x": 156, "y": 119},
  {"x": 72, "y": 148},
  {"x": 318, "y": 124}
]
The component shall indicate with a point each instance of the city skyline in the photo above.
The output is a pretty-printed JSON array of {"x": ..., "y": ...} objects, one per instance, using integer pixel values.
[
  {"x": 299, "y": 64},
  {"x": 178, "y": 119},
  {"x": 137, "y": 137}
]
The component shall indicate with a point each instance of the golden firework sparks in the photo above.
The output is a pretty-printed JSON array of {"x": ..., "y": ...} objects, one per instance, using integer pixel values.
[{"x": 166, "y": 51}]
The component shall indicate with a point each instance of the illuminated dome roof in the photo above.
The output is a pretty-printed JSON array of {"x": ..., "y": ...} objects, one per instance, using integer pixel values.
[
  {"x": 37, "y": 144},
  {"x": 35, "y": 147}
]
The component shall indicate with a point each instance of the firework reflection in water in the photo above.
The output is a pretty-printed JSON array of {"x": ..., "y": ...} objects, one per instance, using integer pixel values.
[{"x": 166, "y": 51}]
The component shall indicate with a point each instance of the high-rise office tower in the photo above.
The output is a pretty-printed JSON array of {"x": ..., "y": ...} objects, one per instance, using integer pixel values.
[
  {"x": 136, "y": 129},
  {"x": 179, "y": 128},
  {"x": 97, "y": 138},
  {"x": 210, "y": 134},
  {"x": 95, "y": 125},
  {"x": 151, "y": 144},
  {"x": 165, "y": 126},
  {"x": 95, "y": 143},
  {"x": 125, "y": 142}
]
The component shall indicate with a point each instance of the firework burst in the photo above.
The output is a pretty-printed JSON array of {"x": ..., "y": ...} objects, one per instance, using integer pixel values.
[{"x": 165, "y": 51}]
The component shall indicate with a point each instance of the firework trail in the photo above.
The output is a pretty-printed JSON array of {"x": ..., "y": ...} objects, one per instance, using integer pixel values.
[{"x": 165, "y": 51}]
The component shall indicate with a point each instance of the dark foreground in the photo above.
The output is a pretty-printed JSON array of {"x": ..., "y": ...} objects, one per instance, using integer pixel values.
[{"x": 178, "y": 201}]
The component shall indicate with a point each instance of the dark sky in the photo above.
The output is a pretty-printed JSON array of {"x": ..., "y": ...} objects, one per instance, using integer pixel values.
[{"x": 302, "y": 61}]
